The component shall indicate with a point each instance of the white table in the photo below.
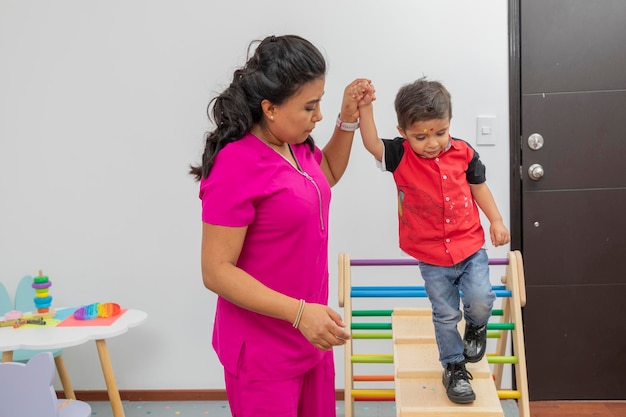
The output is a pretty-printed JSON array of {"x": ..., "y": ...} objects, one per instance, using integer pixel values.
[{"x": 48, "y": 338}]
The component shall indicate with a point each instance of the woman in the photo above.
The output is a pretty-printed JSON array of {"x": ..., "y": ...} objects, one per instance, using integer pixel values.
[{"x": 265, "y": 191}]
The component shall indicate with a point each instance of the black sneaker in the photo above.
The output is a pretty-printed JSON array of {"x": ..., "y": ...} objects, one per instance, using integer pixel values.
[
  {"x": 456, "y": 381},
  {"x": 474, "y": 342}
]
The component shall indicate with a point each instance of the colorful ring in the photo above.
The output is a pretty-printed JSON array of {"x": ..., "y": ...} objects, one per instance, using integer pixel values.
[{"x": 42, "y": 302}]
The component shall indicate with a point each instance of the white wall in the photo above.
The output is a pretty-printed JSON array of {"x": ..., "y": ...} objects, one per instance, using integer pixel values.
[{"x": 102, "y": 109}]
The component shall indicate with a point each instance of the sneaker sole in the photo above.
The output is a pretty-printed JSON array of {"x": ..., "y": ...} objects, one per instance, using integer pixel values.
[{"x": 462, "y": 400}]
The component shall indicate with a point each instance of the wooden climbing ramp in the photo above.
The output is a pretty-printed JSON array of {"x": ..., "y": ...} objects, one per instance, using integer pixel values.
[
  {"x": 398, "y": 343},
  {"x": 418, "y": 386}
]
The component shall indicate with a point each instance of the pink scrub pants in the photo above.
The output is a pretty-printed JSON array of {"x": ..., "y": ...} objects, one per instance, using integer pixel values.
[{"x": 308, "y": 395}]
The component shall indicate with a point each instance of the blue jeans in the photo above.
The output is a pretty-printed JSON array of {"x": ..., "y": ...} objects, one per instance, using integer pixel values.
[{"x": 442, "y": 284}]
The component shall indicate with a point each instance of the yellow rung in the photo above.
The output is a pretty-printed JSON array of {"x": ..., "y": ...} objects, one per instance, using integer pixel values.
[
  {"x": 374, "y": 393},
  {"x": 507, "y": 394}
]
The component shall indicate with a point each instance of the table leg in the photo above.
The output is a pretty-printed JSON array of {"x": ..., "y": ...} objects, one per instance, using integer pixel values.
[
  {"x": 109, "y": 378},
  {"x": 65, "y": 379},
  {"x": 7, "y": 356}
]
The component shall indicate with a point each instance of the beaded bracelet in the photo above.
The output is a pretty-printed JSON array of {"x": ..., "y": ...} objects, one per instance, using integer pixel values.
[{"x": 296, "y": 323}]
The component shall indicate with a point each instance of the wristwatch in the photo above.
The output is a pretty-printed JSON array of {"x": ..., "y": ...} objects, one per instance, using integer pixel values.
[{"x": 345, "y": 126}]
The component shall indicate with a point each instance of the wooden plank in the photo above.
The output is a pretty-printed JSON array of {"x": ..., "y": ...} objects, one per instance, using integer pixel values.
[
  {"x": 421, "y": 360},
  {"x": 413, "y": 325},
  {"x": 427, "y": 397},
  {"x": 418, "y": 386}
]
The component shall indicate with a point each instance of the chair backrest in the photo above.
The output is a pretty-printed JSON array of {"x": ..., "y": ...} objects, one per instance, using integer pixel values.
[
  {"x": 5, "y": 300},
  {"x": 24, "y": 295},
  {"x": 27, "y": 388}
]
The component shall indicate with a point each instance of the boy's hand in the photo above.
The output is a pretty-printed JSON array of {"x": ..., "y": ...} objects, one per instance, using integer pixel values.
[
  {"x": 499, "y": 233},
  {"x": 368, "y": 95},
  {"x": 359, "y": 92}
]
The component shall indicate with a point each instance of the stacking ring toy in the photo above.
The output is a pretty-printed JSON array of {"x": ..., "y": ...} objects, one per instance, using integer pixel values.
[{"x": 42, "y": 300}]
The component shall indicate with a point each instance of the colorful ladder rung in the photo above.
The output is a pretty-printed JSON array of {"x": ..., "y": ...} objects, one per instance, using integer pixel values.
[
  {"x": 373, "y": 335},
  {"x": 373, "y": 358},
  {"x": 385, "y": 394},
  {"x": 500, "y": 326},
  {"x": 507, "y": 394},
  {"x": 502, "y": 359},
  {"x": 370, "y": 326},
  {"x": 396, "y": 262},
  {"x": 388, "y": 313},
  {"x": 409, "y": 292},
  {"x": 373, "y": 378},
  {"x": 372, "y": 313},
  {"x": 373, "y": 399}
]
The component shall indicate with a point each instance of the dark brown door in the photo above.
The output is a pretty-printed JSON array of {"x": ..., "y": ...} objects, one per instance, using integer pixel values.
[{"x": 573, "y": 216}]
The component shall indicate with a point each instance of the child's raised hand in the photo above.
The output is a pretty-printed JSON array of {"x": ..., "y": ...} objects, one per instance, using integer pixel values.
[
  {"x": 358, "y": 93},
  {"x": 368, "y": 94}
]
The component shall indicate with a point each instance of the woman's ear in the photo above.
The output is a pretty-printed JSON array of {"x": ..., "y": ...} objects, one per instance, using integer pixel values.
[{"x": 268, "y": 109}]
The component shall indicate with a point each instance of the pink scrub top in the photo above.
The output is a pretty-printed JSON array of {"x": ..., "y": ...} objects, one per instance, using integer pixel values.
[{"x": 286, "y": 248}]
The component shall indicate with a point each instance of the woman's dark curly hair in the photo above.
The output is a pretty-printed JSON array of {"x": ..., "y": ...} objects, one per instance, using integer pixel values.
[{"x": 278, "y": 68}]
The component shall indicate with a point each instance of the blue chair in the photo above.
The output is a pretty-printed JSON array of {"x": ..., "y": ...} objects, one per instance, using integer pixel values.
[
  {"x": 24, "y": 296},
  {"x": 27, "y": 391}
]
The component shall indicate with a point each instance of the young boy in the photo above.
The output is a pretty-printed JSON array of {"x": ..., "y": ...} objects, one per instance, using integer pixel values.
[{"x": 440, "y": 180}]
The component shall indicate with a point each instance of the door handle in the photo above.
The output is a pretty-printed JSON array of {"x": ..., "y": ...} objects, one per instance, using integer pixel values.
[{"x": 535, "y": 172}]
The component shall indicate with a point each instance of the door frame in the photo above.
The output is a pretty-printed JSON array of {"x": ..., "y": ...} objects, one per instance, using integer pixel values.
[{"x": 515, "y": 119}]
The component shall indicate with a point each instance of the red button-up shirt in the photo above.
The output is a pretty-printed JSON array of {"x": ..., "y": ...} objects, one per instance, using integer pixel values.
[{"x": 439, "y": 222}]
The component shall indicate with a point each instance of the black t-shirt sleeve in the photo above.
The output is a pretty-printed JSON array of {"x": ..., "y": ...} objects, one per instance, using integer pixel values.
[
  {"x": 476, "y": 170},
  {"x": 394, "y": 150}
]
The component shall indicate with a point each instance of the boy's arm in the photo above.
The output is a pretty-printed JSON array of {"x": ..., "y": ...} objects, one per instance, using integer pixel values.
[
  {"x": 497, "y": 231},
  {"x": 369, "y": 134},
  {"x": 337, "y": 151}
]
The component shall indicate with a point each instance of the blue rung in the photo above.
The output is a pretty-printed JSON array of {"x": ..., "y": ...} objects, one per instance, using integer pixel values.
[{"x": 408, "y": 291}]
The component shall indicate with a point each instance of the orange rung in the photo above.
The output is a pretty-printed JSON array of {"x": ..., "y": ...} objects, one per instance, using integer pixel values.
[{"x": 373, "y": 377}]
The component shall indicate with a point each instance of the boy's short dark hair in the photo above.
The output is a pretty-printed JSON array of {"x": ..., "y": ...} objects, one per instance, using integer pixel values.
[{"x": 422, "y": 100}]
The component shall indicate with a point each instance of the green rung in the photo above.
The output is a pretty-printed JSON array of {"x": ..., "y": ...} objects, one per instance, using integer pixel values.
[
  {"x": 500, "y": 326},
  {"x": 372, "y": 313},
  {"x": 375, "y": 335},
  {"x": 370, "y": 326},
  {"x": 497, "y": 312},
  {"x": 375, "y": 358},
  {"x": 501, "y": 359}
]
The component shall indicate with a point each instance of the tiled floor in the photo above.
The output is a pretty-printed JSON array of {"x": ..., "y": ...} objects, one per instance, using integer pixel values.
[{"x": 220, "y": 409}]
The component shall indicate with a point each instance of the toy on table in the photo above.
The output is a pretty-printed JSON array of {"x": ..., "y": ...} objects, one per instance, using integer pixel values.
[
  {"x": 16, "y": 319},
  {"x": 42, "y": 299},
  {"x": 95, "y": 310},
  {"x": 13, "y": 315}
]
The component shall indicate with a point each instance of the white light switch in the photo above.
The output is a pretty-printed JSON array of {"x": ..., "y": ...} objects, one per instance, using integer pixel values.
[{"x": 485, "y": 134}]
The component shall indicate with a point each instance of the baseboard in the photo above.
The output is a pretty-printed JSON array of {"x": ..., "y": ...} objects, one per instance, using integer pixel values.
[{"x": 162, "y": 395}]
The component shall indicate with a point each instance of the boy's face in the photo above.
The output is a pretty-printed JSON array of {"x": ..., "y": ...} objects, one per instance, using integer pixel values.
[{"x": 427, "y": 138}]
